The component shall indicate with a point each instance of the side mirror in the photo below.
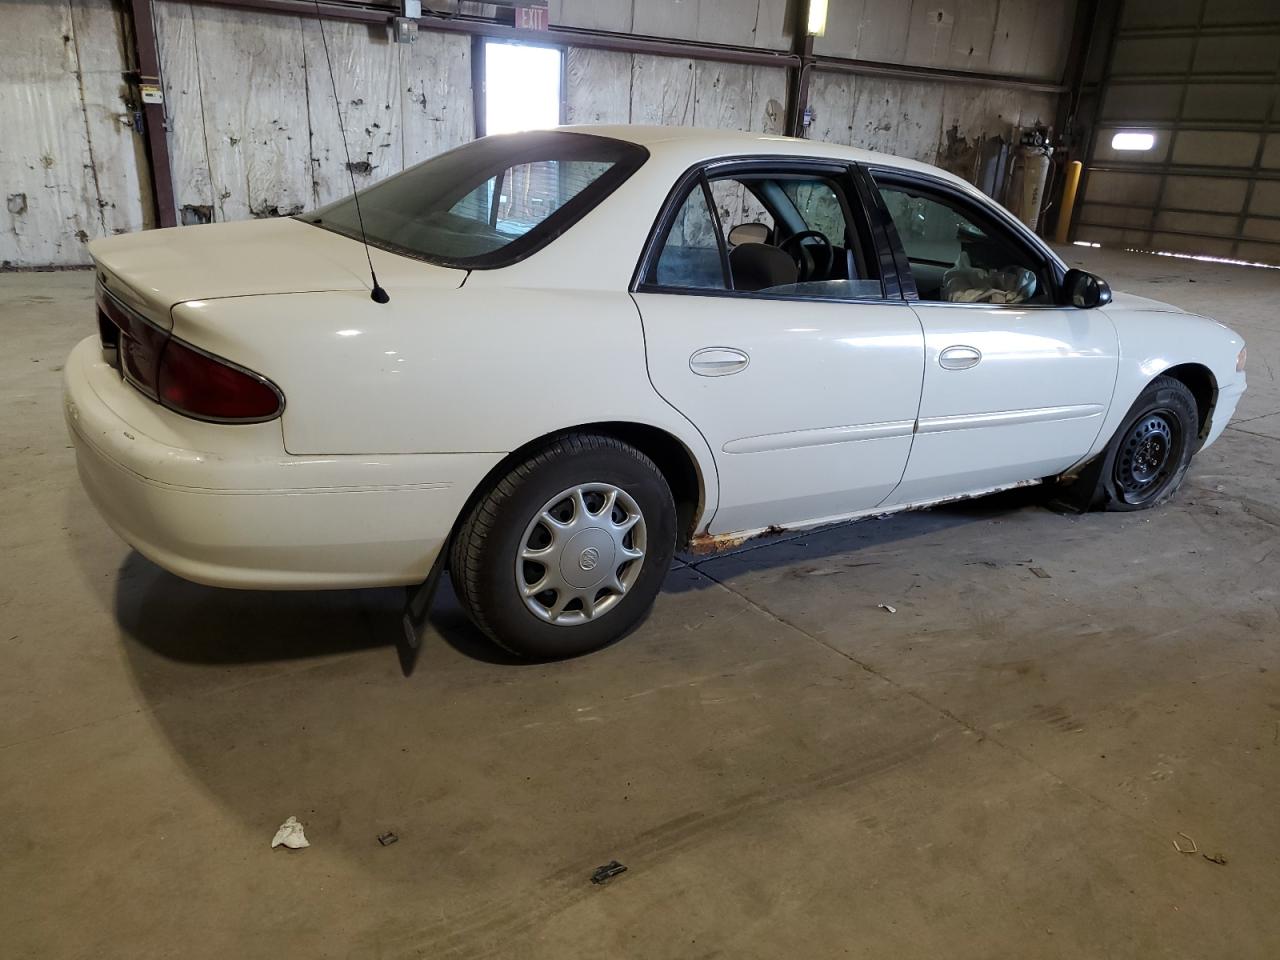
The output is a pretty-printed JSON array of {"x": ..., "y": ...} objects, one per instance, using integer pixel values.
[
  {"x": 1086, "y": 291},
  {"x": 748, "y": 233}
]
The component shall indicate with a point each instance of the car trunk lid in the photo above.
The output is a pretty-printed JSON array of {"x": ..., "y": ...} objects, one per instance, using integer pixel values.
[{"x": 156, "y": 269}]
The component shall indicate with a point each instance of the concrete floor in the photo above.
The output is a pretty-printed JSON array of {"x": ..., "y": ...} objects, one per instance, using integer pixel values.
[{"x": 998, "y": 770}]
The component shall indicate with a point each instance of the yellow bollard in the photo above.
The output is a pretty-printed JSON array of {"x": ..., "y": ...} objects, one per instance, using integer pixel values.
[{"x": 1074, "y": 169}]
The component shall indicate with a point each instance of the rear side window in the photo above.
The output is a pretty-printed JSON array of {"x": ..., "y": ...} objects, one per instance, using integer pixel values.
[
  {"x": 780, "y": 232},
  {"x": 491, "y": 202}
]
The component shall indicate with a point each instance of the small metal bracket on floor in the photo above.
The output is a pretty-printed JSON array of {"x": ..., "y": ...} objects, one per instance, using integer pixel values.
[
  {"x": 413, "y": 621},
  {"x": 607, "y": 872}
]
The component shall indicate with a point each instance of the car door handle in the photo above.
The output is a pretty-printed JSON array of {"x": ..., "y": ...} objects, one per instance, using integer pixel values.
[
  {"x": 718, "y": 361},
  {"x": 959, "y": 358}
]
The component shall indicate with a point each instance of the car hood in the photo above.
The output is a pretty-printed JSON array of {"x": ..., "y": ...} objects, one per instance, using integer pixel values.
[
  {"x": 1131, "y": 301},
  {"x": 162, "y": 268}
]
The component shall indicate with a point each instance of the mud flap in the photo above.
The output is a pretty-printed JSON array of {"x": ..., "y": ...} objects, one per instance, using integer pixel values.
[
  {"x": 413, "y": 621},
  {"x": 1080, "y": 492}
]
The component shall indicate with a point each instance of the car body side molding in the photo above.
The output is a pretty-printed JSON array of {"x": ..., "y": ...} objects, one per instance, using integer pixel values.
[
  {"x": 1081, "y": 411},
  {"x": 824, "y": 435}
]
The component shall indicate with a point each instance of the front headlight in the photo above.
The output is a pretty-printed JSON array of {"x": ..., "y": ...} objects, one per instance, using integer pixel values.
[{"x": 1241, "y": 357}]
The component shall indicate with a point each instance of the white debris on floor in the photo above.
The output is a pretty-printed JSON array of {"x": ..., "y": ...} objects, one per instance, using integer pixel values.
[{"x": 290, "y": 835}]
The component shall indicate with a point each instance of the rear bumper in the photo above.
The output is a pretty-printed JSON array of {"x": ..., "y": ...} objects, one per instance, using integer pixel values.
[{"x": 256, "y": 520}]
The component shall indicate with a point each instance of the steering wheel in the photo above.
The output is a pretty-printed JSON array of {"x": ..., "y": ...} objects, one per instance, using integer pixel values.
[{"x": 806, "y": 261}]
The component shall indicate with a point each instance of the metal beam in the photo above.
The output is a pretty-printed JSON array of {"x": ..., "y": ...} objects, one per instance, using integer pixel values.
[
  {"x": 148, "y": 60},
  {"x": 569, "y": 36},
  {"x": 1074, "y": 142},
  {"x": 1168, "y": 168},
  {"x": 304, "y": 8},
  {"x": 799, "y": 74},
  {"x": 600, "y": 40},
  {"x": 655, "y": 46},
  {"x": 875, "y": 68}
]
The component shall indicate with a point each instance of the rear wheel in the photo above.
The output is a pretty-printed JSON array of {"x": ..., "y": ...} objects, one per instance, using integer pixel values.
[{"x": 567, "y": 552}]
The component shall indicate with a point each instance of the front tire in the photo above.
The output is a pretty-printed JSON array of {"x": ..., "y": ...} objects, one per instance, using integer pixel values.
[
  {"x": 567, "y": 551},
  {"x": 1148, "y": 457}
]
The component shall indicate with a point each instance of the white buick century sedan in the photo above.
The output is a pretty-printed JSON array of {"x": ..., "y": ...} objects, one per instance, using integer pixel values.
[{"x": 601, "y": 345}]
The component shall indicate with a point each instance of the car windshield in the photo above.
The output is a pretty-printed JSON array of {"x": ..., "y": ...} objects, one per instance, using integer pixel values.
[{"x": 488, "y": 203}]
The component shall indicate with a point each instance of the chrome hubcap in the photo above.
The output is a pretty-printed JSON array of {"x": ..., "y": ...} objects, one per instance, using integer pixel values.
[{"x": 581, "y": 553}]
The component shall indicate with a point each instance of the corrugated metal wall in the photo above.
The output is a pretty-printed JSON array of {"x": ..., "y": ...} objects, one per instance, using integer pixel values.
[{"x": 1203, "y": 76}]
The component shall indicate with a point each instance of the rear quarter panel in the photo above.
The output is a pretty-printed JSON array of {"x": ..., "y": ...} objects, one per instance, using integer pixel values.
[{"x": 482, "y": 370}]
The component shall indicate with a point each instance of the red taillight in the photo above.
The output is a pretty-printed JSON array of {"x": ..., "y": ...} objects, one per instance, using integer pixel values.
[
  {"x": 138, "y": 341},
  {"x": 179, "y": 376},
  {"x": 200, "y": 385}
]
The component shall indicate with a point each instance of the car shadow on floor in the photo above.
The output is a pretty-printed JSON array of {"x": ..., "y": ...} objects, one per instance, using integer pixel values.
[
  {"x": 195, "y": 624},
  {"x": 853, "y": 537},
  {"x": 189, "y": 623},
  {"x": 279, "y": 703}
]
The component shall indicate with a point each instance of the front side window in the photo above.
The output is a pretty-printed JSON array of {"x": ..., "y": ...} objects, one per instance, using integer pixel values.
[
  {"x": 957, "y": 257},
  {"x": 783, "y": 234},
  {"x": 690, "y": 258},
  {"x": 490, "y": 202}
]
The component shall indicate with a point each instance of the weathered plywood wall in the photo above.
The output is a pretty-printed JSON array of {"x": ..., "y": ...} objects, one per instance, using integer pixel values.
[
  {"x": 745, "y": 23},
  {"x": 71, "y": 166},
  {"x": 607, "y": 87},
  {"x": 254, "y": 131},
  {"x": 1025, "y": 38},
  {"x": 925, "y": 120},
  {"x": 254, "y": 128},
  {"x": 933, "y": 121},
  {"x": 938, "y": 121}
]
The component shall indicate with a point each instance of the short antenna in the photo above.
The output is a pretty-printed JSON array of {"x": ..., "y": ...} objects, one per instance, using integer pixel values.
[{"x": 378, "y": 295}]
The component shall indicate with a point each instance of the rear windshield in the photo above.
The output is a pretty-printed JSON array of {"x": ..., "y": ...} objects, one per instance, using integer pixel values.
[{"x": 488, "y": 203}]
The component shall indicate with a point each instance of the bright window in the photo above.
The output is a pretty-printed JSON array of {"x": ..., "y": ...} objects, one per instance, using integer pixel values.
[{"x": 521, "y": 87}]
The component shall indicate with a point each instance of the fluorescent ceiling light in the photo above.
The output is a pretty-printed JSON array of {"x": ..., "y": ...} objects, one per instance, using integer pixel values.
[
  {"x": 817, "y": 18},
  {"x": 1133, "y": 141}
]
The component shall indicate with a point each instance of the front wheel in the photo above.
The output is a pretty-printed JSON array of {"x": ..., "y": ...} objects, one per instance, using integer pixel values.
[
  {"x": 567, "y": 551},
  {"x": 1150, "y": 453}
]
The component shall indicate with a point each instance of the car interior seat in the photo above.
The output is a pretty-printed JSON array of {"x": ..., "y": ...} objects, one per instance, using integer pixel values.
[{"x": 756, "y": 266}]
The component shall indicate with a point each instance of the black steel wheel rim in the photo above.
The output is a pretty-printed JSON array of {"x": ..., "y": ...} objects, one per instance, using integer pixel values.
[{"x": 1148, "y": 457}]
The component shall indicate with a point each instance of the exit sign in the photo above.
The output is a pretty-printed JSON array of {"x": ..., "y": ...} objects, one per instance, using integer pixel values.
[{"x": 532, "y": 17}]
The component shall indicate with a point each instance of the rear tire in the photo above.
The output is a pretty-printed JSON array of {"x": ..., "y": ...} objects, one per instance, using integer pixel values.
[
  {"x": 587, "y": 518},
  {"x": 1148, "y": 457}
]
